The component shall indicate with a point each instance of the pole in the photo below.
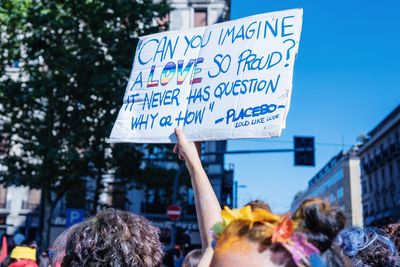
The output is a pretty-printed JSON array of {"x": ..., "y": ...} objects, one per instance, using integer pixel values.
[
  {"x": 235, "y": 192},
  {"x": 250, "y": 151},
  {"x": 238, "y": 152}
]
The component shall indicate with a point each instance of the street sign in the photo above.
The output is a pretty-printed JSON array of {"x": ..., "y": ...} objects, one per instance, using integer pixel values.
[
  {"x": 174, "y": 212},
  {"x": 304, "y": 151},
  {"x": 74, "y": 216}
]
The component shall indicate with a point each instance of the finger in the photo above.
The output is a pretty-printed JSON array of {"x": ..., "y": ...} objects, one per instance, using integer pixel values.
[
  {"x": 180, "y": 157},
  {"x": 180, "y": 135},
  {"x": 176, "y": 149}
]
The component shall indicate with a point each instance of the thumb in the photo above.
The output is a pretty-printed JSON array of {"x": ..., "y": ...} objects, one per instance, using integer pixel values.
[{"x": 180, "y": 135}]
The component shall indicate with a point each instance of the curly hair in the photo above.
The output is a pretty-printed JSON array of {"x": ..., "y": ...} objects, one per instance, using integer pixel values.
[
  {"x": 114, "y": 238},
  {"x": 321, "y": 223},
  {"x": 393, "y": 231},
  {"x": 368, "y": 247}
]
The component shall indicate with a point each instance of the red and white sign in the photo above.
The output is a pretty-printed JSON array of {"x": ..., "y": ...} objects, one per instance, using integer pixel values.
[{"x": 174, "y": 212}]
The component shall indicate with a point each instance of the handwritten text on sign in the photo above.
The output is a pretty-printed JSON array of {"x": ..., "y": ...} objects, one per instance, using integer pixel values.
[{"x": 225, "y": 81}]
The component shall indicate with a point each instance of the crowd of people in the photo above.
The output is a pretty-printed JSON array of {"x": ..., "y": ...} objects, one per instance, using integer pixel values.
[
  {"x": 315, "y": 235},
  {"x": 17, "y": 251}
]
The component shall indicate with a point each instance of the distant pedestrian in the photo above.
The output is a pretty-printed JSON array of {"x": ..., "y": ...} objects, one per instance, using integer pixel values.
[
  {"x": 23, "y": 257},
  {"x": 192, "y": 259},
  {"x": 112, "y": 238},
  {"x": 18, "y": 239},
  {"x": 44, "y": 260},
  {"x": 4, "y": 249}
]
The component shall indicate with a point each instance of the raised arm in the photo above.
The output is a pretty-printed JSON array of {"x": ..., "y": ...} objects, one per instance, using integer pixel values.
[{"x": 208, "y": 209}]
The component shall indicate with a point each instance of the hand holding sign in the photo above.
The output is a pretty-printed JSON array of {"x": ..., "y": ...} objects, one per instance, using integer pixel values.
[
  {"x": 225, "y": 81},
  {"x": 188, "y": 151}
]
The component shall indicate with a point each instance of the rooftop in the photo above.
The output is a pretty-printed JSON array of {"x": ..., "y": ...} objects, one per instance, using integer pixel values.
[{"x": 385, "y": 121}]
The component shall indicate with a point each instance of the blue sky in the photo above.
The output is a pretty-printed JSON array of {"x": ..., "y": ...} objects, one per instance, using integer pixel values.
[{"x": 346, "y": 80}]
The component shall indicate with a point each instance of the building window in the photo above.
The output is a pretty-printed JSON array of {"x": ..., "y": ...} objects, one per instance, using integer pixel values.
[
  {"x": 385, "y": 204},
  {"x": 200, "y": 17},
  {"x": 391, "y": 171},
  {"x": 3, "y": 197},
  {"x": 33, "y": 200},
  {"x": 371, "y": 180},
  {"x": 398, "y": 168},
  {"x": 364, "y": 187},
  {"x": 340, "y": 193},
  {"x": 332, "y": 198}
]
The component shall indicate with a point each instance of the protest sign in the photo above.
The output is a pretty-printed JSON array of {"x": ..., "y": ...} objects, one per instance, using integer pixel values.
[{"x": 225, "y": 81}]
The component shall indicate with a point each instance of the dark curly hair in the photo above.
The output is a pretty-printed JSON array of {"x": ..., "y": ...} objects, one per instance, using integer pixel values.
[
  {"x": 322, "y": 223},
  {"x": 114, "y": 238},
  {"x": 393, "y": 231}
]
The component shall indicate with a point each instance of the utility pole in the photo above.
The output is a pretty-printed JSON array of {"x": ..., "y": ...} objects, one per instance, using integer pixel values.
[{"x": 236, "y": 187}]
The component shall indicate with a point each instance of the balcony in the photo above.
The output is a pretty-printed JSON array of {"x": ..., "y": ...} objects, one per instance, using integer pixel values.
[
  {"x": 5, "y": 206},
  {"x": 26, "y": 205}
]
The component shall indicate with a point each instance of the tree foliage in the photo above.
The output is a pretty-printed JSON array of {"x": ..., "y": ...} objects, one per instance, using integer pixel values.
[{"x": 58, "y": 109}]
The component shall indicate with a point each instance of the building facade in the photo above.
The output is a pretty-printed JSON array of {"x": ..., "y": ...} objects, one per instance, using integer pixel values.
[
  {"x": 187, "y": 14},
  {"x": 380, "y": 171},
  {"x": 19, "y": 210},
  {"x": 338, "y": 182}
]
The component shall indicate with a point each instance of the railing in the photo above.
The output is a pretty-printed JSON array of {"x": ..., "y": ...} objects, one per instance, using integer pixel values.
[
  {"x": 28, "y": 205},
  {"x": 5, "y": 205}
]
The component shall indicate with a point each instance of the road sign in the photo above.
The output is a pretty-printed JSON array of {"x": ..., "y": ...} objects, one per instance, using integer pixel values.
[
  {"x": 74, "y": 216},
  {"x": 174, "y": 212},
  {"x": 304, "y": 151}
]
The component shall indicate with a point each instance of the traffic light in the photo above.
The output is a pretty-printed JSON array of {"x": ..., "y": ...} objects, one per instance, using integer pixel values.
[{"x": 304, "y": 151}]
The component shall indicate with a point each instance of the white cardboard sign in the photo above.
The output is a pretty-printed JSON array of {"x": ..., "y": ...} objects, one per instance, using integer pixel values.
[{"x": 224, "y": 81}]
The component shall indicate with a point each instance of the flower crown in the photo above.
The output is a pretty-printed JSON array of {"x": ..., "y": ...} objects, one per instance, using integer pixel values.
[{"x": 282, "y": 231}]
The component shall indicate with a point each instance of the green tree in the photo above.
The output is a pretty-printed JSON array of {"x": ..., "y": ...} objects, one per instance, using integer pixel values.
[{"x": 74, "y": 61}]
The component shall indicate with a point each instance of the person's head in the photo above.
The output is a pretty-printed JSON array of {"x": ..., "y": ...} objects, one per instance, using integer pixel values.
[
  {"x": 23, "y": 253},
  {"x": 113, "y": 238},
  {"x": 259, "y": 204},
  {"x": 241, "y": 246},
  {"x": 393, "y": 231},
  {"x": 256, "y": 237},
  {"x": 368, "y": 247},
  {"x": 192, "y": 259},
  {"x": 321, "y": 223},
  {"x": 6, "y": 262}
]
